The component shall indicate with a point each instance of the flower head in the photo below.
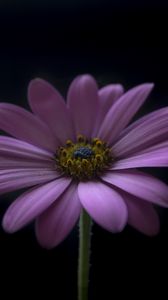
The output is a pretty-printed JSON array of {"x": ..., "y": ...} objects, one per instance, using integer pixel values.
[{"x": 82, "y": 153}]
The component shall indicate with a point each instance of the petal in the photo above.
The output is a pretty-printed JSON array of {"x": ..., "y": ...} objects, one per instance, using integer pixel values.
[
  {"x": 104, "y": 205},
  {"x": 107, "y": 97},
  {"x": 25, "y": 126},
  {"x": 53, "y": 226},
  {"x": 14, "y": 179},
  {"x": 140, "y": 185},
  {"x": 49, "y": 105},
  {"x": 32, "y": 203},
  {"x": 16, "y": 154},
  {"x": 147, "y": 118},
  {"x": 83, "y": 102},
  {"x": 15, "y": 148},
  {"x": 122, "y": 112},
  {"x": 156, "y": 156},
  {"x": 11, "y": 162},
  {"x": 141, "y": 215},
  {"x": 109, "y": 94},
  {"x": 145, "y": 132}
]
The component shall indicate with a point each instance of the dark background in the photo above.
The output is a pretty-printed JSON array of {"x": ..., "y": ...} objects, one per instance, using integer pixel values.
[{"x": 116, "y": 41}]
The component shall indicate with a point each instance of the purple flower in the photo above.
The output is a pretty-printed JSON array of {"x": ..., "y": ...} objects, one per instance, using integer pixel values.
[{"x": 82, "y": 154}]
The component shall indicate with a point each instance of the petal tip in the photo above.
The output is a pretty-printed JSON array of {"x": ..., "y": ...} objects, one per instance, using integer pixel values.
[
  {"x": 85, "y": 79},
  {"x": 148, "y": 85},
  {"x": 36, "y": 83},
  {"x": 43, "y": 243},
  {"x": 6, "y": 225}
]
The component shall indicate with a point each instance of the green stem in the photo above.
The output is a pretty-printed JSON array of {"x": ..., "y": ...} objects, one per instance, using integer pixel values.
[{"x": 84, "y": 253}]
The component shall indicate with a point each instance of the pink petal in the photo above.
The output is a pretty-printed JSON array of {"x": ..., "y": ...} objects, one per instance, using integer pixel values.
[
  {"x": 83, "y": 102},
  {"x": 156, "y": 156},
  {"x": 13, "y": 179},
  {"x": 104, "y": 205},
  {"x": 32, "y": 203},
  {"x": 140, "y": 185},
  {"x": 144, "y": 133},
  {"x": 25, "y": 126},
  {"x": 122, "y": 112},
  {"x": 107, "y": 97},
  {"x": 49, "y": 105},
  {"x": 141, "y": 215},
  {"x": 53, "y": 226}
]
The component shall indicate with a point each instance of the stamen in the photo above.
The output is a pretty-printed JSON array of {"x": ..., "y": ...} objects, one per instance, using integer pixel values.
[
  {"x": 69, "y": 143},
  {"x": 81, "y": 138},
  {"x": 99, "y": 143},
  {"x": 64, "y": 152},
  {"x": 99, "y": 158}
]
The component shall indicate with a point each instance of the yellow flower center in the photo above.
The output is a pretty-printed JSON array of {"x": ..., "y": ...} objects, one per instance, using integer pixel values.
[{"x": 83, "y": 160}]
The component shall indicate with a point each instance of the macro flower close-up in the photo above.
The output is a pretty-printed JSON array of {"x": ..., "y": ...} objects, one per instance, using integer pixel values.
[{"x": 82, "y": 152}]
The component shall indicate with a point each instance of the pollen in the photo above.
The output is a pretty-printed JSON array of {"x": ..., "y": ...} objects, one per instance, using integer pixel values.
[{"x": 83, "y": 160}]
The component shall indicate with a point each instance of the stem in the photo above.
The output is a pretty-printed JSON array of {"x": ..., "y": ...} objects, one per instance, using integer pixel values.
[{"x": 84, "y": 253}]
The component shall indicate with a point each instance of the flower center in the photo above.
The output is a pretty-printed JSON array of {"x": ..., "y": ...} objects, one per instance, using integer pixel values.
[{"x": 84, "y": 159}]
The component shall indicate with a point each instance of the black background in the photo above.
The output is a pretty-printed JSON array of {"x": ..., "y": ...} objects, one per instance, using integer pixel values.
[{"x": 116, "y": 41}]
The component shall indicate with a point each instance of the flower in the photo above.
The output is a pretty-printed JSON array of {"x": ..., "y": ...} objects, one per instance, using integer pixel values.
[{"x": 82, "y": 154}]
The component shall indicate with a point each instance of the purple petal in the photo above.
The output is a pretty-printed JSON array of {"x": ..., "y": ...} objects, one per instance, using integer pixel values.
[
  {"x": 122, "y": 112},
  {"x": 13, "y": 179},
  {"x": 141, "y": 215},
  {"x": 83, "y": 102},
  {"x": 25, "y": 126},
  {"x": 32, "y": 203},
  {"x": 140, "y": 185},
  {"x": 49, "y": 105},
  {"x": 12, "y": 162},
  {"x": 144, "y": 133},
  {"x": 15, "y": 148},
  {"x": 109, "y": 94},
  {"x": 104, "y": 205},
  {"x": 147, "y": 118},
  {"x": 53, "y": 226},
  {"x": 107, "y": 97},
  {"x": 15, "y": 154},
  {"x": 156, "y": 156}
]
